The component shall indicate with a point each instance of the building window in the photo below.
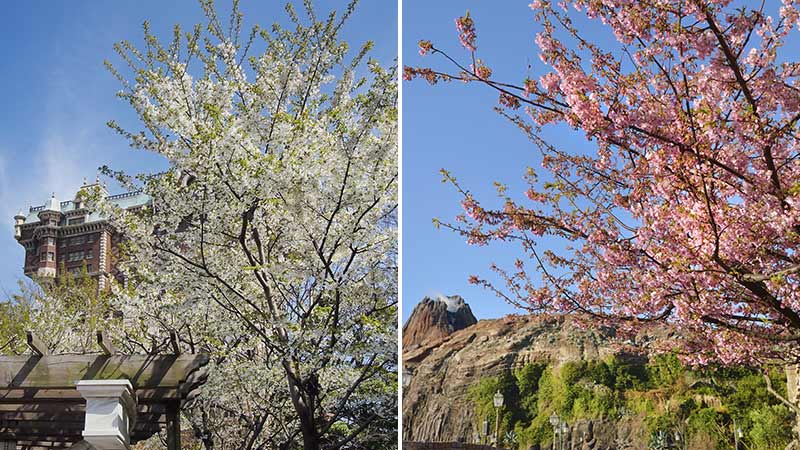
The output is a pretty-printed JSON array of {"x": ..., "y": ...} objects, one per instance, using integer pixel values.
[
  {"x": 89, "y": 268},
  {"x": 51, "y": 256},
  {"x": 76, "y": 221},
  {"x": 43, "y": 257},
  {"x": 78, "y": 240},
  {"x": 90, "y": 239},
  {"x": 75, "y": 256}
]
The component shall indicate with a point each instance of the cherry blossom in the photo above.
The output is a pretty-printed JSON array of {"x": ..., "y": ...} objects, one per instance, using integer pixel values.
[
  {"x": 271, "y": 239},
  {"x": 466, "y": 31},
  {"x": 680, "y": 213}
]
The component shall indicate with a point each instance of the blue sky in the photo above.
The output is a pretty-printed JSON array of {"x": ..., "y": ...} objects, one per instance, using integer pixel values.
[
  {"x": 57, "y": 96},
  {"x": 453, "y": 126}
]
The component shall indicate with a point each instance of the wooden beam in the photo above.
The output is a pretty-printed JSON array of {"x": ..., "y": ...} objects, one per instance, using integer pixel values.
[
  {"x": 153, "y": 408},
  {"x": 36, "y": 346},
  {"x": 44, "y": 427},
  {"x": 173, "y": 428},
  {"x": 189, "y": 389},
  {"x": 173, "y": 341},
  {"x": 23, "y": 396},
  {"x": 43, "y": 445},
  {"x": 64, "y": 371},
  {"x": 146, "y": 415},
  {"x": 41, "y": 407},
  {"x": 72, "y": 428},
  {"x": 53, "y": 435},
  {"x": 105, "y": 343},
  {"x": 145, "y": 396},
  {"x": 29, "y": 443},
  {"x": 50, "y": 416}
]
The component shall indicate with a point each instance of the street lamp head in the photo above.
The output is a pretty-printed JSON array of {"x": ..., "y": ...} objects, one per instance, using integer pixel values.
[
  {"x": 554, "y": 420},
  {"x": 498, "y": 399}
]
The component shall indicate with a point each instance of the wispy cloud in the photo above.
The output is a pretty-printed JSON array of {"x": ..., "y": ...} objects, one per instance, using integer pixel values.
[
  {"x": 71, "y": 144},
  {"x": 65, "y": 159}
]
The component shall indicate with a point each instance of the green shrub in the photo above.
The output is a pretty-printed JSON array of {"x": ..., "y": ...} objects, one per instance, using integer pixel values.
[
  {"x": 700, "y": 403},
  {"x": 769, "y": 428}
]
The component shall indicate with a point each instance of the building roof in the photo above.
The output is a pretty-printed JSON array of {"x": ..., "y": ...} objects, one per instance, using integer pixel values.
[
  {"x": 124, "y": 201},
  {"x": 52, "y": 204}
]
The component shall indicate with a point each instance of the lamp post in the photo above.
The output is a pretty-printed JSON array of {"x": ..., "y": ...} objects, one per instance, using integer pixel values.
[
  {"x": 555, "y": 421},
  {"x": 564, "y": 430},
  {"x": 737, "y": 434},
  {"x": 498, "y": 405}
]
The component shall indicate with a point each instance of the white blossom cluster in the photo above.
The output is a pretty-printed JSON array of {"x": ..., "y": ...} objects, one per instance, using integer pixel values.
[{"x": 271, "y": 240}]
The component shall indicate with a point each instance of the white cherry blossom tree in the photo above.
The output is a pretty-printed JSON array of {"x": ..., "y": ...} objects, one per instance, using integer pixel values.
[{"x": 271, "y": 240}]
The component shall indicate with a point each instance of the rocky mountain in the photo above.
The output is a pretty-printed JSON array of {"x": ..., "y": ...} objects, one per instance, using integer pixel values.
[
  {"x": 439, "y": 372},
  {"x": 437, "y": 375},
  {"x": 434, "y": 319}
]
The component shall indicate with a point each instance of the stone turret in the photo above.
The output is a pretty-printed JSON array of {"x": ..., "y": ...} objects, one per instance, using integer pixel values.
[
  {"x": 86, "y": 186},
  {"x": 19, "y": 220},
  {"x": 46, "y": 236}
]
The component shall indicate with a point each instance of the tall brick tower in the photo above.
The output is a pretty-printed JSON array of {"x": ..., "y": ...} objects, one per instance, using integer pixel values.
[{"x": 66, "y": 236}]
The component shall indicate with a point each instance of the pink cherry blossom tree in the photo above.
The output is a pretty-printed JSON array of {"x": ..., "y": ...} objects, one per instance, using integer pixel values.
[{"x": 683, "y": 208}]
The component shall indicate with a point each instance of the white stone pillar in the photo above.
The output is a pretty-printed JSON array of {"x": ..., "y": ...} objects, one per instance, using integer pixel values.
[{"x": 110, "y": 413}]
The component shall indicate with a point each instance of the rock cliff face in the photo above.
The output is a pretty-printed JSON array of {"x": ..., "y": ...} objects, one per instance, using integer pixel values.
[
  {"x": 434, "y": 319},
  {"x": 438, "y": 373}
]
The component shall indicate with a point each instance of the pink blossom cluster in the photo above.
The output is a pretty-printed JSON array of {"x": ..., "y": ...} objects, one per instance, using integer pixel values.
[
  {"x": 425, "y": 47},
  {"x": 682, "y": 210},
  {"x": 466, "y": 31},
  {"x": 409, "y": 73},
  {"x": 480, "y": 70}
]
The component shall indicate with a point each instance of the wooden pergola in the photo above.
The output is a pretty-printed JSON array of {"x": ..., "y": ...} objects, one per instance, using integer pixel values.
[{"x": 41, "y": 406}]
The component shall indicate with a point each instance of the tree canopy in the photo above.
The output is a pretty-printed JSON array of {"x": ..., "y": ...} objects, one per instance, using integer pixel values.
[
  {"x": 270, "y": 241},
  {"x": 682, "y": 208}
]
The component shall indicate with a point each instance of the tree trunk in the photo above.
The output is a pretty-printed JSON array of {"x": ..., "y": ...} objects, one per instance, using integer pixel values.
[
  {"x": 202, "y": 432},
  {"x": 309, "y": 429},
  {"x": 304, "y": 410},
  {"x": 310, "y": 439},
  {"x": 793, "y": 394}
]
